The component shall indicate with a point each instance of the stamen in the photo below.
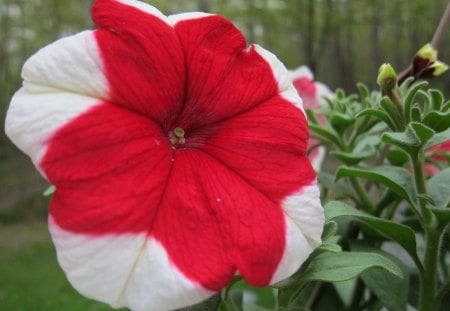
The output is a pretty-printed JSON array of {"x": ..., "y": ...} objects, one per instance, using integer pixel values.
[{"x": 176, "y": 137}]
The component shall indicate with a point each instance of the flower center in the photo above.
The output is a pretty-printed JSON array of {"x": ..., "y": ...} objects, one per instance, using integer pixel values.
[{"x": 176, "y": 137}]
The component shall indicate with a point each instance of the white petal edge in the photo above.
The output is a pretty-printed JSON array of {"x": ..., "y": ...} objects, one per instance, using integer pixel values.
[
  {"x": 301, "y": 72},
  {"x": 318, "y": 159},
  {"x": 281, "y": 74},
  {"x": 304, "y": 225},
  {"x": 175, "y": 18},
  {"x": 126, "y": 270},
  {"x": 36, "y": 113},
  {"x": 146, "y": 8},
  {"x": 71, "y": 64}
]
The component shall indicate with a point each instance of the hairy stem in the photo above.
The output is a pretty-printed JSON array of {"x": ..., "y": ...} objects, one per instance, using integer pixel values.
[{"x": 428, "y": 284}]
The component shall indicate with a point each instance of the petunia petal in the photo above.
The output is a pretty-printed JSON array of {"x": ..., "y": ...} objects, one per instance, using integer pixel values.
[
  {"x": 109, "y": 167},
  {"x": 142, "y": 57},
  {"x": 61, "y": 81},
  {"x": 213, "y": 223},
  {"x": 35, "y": 114},
  {"x": 266, "y": 146},
  {"x": 71, "y": 65},
  {"x": 127, "y": 270},
  {"x": 224, "y": 78}
]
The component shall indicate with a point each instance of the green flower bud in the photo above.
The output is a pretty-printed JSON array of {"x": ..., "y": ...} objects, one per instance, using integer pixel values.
[
  {"x": 427, "y": 52},
  {"x": 438, "y": 68},
  {"x": 387, "y": 78}
]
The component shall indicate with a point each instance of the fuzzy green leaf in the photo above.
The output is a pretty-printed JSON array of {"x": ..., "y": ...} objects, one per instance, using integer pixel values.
[
  {"x": 379, "y": 114},
  {"x": 439, "y": 121},
  {"x": 439, "y": 188},
  {"x": 402, "y": 234},
  {"x": 409, "y": 99},
  {"x": 397, "y": 179},
  {"x": 336, "y": 267},
  {"x": 437, "y": 99},
  {"x": 340, "y": 121},
  {"x": 353, "y": 158},
  {"x": 394, "y": 296},
  {"x": 325, "y": 133}
]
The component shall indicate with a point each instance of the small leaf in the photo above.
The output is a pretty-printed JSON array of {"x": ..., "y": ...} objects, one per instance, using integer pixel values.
[
  {"x": 443, "y": 215},
  {"x": 406, "y": 141},
  {"x": 409, "y": 99},
  {"x": 336, "y": 267},
  {"x": 379, "y": 114},
  {"x": 439, "y": 188},
  {"x": 393, "y": 112},
  {"x": 312, "y": 116},
  {"x": 421, "y": 131},
  {"x": 330, "y": 247},
  {"x": 340, "y": 121},
  {"x": 397, "y": 179},
  {"x": 402, "y": 234},
  {"x": 439, "y": 121},
  {"x": 325, "y": 133},
  {"x": 397, "y": 156},
  {"x": 363, "y": 90},
  {"x": 437, "y": 99},
  {"x": 353, "y": 158},
  {"x": 329, "y": 230},
  {"x": 416, "y": 114}
]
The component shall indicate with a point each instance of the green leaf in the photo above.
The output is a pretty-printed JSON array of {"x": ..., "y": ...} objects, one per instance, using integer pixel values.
[
  {"x": 312, "y": 116},
  {"x": 340, "y": 121},
  {"x": 439, "y": 121},
  {"x": 439, "y": 188},
  {"x": 379, "y": 114},
  {"x": 406, "y": 141},
  {"x": 443, "y": 215},
  {"x": 329, "y": 230},
  {"x": 350, "y": 158},
  {"x": 437, "y": 99},
  {"x": 363, "y": 90},
  {"x": 421, "y": 131},
  {"x": 397, "y": 179},
  {"x": 393, "y": 112},
  {"x": 330, "y": 247},
  {"x": 438, "y": 139},
  {"x": 336, "y": 267},
  {"x": 409, "y": 98},
  {"x": 397, "y": 156},
  {"x": 325, "y": 133},
  {"x": 413, "y": 138},
  {"x": 393, "y": 297},
  {"x": 402, "y": 234}
]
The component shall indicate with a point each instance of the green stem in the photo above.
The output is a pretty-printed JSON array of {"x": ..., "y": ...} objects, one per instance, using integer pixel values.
[
  {"x": 362, "y": 195},
  {"x": 428, "y": 284}
]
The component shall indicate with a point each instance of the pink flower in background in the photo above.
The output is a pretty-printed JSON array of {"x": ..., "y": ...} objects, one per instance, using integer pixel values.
[
  {"x": 178, "y": 154},
  {"x": 312, "y": 94},
  {"x": 439, "y": 153}
]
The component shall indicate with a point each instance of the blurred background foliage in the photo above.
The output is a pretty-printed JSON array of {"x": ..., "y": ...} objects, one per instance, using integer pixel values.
[{"x": 342, "y": 41}]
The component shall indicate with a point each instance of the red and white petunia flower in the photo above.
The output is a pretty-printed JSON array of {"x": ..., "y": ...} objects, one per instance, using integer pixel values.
[
  {"x": 178, "y": 155},
  {"x": 313, "y": 94}
]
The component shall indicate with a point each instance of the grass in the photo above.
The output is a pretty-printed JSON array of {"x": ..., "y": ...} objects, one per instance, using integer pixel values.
[{"x": 30, "y": 277}]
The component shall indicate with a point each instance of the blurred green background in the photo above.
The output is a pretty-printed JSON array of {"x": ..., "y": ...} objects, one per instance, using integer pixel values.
[{"x": 342, "y": 41}]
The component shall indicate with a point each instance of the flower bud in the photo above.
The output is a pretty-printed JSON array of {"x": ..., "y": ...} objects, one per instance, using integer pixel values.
[
  {"x": 438, "y": 68},
  {"x": 387, "y": 78},
  {"x": 427, "y": 52}
]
